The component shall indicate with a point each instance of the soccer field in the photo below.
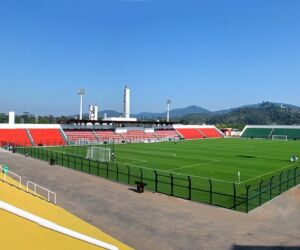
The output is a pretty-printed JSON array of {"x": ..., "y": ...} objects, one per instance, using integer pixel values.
[
  {"x": 200, "y": 170},
  {"x": 219, "y": 159}
]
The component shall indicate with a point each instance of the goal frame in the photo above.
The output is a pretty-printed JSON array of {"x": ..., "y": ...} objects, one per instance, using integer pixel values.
[
  {"x": 279, "y": 137},
  {"x": 96, "y": 153}
]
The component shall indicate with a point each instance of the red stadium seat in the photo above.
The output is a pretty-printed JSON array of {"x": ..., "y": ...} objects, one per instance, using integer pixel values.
[
  {"x": 47, "y": 137},
  {"x": 190, "y": 133},
  {"x": 16, "y": 137}
]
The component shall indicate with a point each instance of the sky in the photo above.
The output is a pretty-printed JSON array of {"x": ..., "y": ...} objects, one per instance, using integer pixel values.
[{"x": 214, "y": 54}]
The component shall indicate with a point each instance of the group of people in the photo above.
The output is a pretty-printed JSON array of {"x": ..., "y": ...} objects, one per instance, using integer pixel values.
[{"x": 294, "y": 158}]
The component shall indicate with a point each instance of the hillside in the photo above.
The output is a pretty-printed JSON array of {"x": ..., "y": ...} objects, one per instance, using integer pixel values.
[{"x": 261, "y": 114}]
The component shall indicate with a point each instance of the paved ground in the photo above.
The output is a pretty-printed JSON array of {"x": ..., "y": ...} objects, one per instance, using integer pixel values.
[{"x": 154, "y": 221}]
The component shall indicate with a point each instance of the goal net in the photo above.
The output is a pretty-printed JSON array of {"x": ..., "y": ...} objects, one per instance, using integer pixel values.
[
  {"x": 280, "y": 137},
  {"x": 99, "y": 154}
]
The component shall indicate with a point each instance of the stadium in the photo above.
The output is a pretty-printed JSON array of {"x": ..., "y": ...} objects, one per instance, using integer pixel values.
[
  {"x": 149, "y": 125},
  {"x": 192, "y": 162}
]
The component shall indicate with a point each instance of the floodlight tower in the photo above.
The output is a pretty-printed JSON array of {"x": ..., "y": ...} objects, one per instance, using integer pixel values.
[
  {"x": 168, "y": 109},
  {"x": 126, "y": 113},
  {"x": 81, "y": 93}
]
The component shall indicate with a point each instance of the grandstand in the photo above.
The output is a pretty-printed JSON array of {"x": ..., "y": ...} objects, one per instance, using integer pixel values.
[
  {"x": 48, "y": 137},
  {"x": 81, "y": 136},
  {"x": 194, "y": 132},
  {"x": 16, "y": 136},
  {"x": 31, "y": 135},
  {"x": 271, "y": 131},
  {"x": 108, "y": 135},
  {"x": 41, "y": 135},
  {"x": 166, "y": 133}
]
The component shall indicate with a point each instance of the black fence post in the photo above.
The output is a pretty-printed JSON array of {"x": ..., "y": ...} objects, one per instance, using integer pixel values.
[
  {"x": 234, "y": 196},
  {"x": 260, "y": 191},
  {"x": 190, "y": 188},
  {"x": 156, "y": 180},
  {"x": 81, "y": 164},
  {"x": 117, "y": 171},
  {"x": 280, "y": 182},
  {"x": 98, "y": 168},
  {"x": 172, "y": 184},
  {"x": 141, "y": 175},
  {"x": 210, "y": 192},
  {"x": 128, "y": 172},
  {"x": 247, "y": 198},
  {"x": 271, "y": 181},
  {"x": 89, "y": 166},
  {"x": 107, "y": 170},
  {"x": 288, "y": 179},
  {"x": 295, "y": 176}
]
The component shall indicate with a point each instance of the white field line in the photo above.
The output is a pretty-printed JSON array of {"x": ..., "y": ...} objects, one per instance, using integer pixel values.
[
  {"x": 268, "y": 173},
  {"x": 166, "y": 171},
  {"x": 151, "y": 152},
  {"x": 199, "y": 164},
  {"x": 128, "y": 158}
]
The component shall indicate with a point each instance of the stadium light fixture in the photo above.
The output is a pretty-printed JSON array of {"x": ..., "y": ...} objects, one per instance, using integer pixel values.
[
  {"x": 168, "y": 109},
  {"x": 81, "y": 93}
]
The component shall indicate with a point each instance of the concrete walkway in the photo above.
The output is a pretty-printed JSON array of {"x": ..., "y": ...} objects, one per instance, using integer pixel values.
[{"x": 155, "y": 221}]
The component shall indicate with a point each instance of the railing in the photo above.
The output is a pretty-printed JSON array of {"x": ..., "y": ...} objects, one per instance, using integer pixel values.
[
  {"x": 241, "y": 197},
  {"x": 5, "y": 172},
  {"x": 35, "y": 186}
]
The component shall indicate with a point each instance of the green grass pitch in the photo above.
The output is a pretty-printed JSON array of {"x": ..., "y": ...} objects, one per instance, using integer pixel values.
[
  {"x": 215, "y": 161},
  {"x": 219, "y": 159}
]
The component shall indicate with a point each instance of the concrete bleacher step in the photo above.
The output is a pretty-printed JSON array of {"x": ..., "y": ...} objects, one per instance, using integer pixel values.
[
  {"x": 202, "y": 133},
  {"x": 64, "y": 136},
  {"x": 95, "y": 134},
  {"x": 29, "y": 137}
]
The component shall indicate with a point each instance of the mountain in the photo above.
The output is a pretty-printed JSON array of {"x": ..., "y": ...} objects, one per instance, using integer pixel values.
[
  {"x": 252, "y": 114},
  {"x": 264, "y": 113},
  {"x": 193, "y": 109},
  {"x": 109, "y": 113}
]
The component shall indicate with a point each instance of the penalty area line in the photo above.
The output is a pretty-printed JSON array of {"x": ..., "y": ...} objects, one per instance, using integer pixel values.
[
  {"x": 137, "y": 160},
  {"x": 267, "y": 173},
  {"x": 170, "y": 172}
]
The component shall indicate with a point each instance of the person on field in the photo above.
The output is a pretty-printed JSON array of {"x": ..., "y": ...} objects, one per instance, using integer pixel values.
[{"x": 113, "y": 156}]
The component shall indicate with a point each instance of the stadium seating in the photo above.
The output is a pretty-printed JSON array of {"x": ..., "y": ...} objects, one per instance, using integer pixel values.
[
  {"x": 79, "y": 136},
  {"x": 138, "y": 135},
  {"x": 190, "y": 133},
  {"x": 17, "y": 137},
  {"x": 291, "y": 133},
  {"x": 210, "y": 132},
  {"x": 257, "y": 132},
  {"x": 47, "y": 137},
  {"x": 168, "y": 133},
  {"x": 109, "y": 135}
]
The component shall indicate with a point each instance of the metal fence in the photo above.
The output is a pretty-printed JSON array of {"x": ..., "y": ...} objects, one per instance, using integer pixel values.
[{"x": 240, "y": 197}]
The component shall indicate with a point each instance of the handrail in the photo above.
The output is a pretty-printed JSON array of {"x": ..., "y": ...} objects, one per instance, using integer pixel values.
[
  {"x": 46, "y": 189},
  {"x": 12, "y": 173}
]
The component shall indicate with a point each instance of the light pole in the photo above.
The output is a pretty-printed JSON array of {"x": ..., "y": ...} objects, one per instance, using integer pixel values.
[
  {"x": 168, "y": 109},
  {"x": 81, "y": 93}
]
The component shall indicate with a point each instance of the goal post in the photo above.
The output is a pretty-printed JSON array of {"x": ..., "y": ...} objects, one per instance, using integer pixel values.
[
  {"x": 280, "y": 137},
  {"x": 101, "y": 154}
]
